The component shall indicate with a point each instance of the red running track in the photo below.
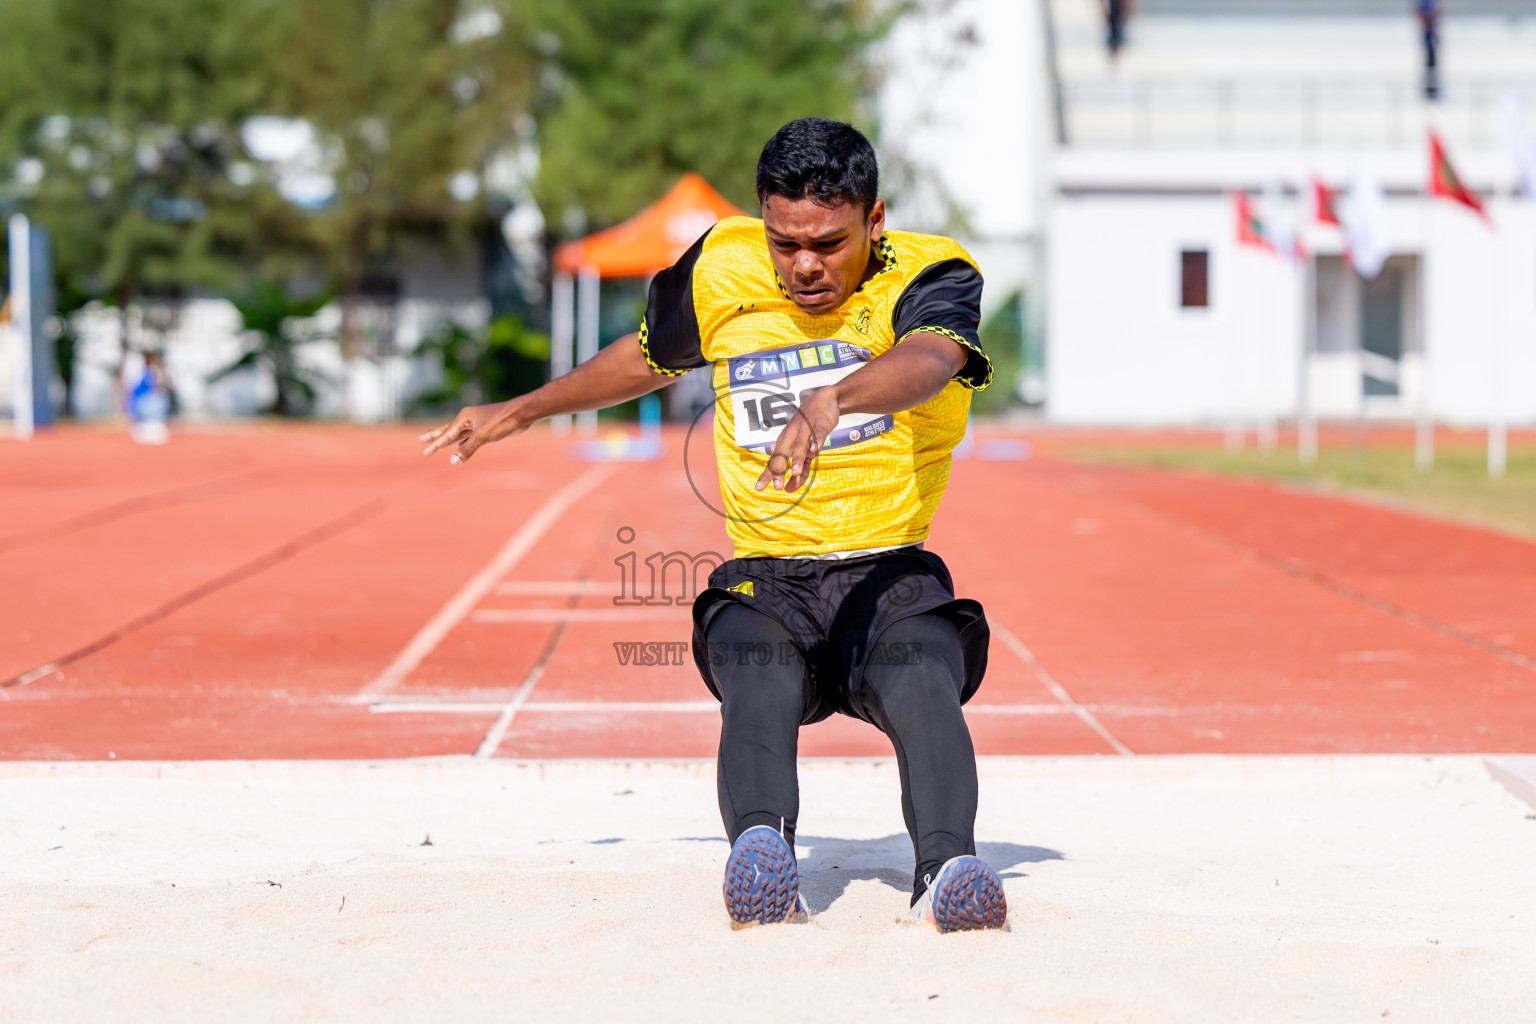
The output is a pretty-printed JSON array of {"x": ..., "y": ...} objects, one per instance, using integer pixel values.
[{"x": 323, "y": 592}]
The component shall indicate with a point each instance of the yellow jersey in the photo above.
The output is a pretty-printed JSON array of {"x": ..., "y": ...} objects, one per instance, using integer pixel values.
[{"x": 879, "y": 479}]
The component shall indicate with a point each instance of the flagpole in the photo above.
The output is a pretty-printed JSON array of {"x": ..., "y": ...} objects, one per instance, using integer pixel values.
[
  {"x": 1498, "y": 429},
  {"x": 1424, "y": 424},
  {"x": 1443, "y": 181},
  {"x": 1306, "y": 422},
  {"x": 1233, "y": 440}
]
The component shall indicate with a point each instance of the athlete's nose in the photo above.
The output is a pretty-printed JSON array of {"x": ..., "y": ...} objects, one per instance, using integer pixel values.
[{"x": 807, "y": 266}]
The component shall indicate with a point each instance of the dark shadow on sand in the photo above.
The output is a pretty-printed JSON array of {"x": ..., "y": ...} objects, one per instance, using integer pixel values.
[{"x": 828, "y": 864}]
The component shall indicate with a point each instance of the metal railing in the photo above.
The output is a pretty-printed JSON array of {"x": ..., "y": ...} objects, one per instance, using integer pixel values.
[{"x": 1239, "y": 112}]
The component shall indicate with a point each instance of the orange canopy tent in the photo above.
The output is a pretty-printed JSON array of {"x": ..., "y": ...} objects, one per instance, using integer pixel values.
[{"x": 652, "y": 239}]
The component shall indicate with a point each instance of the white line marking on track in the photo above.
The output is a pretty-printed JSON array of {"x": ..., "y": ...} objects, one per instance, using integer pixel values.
[
  {"x": 498, "y": 730},
  {"x": 579, "y": 614},
  {"x": 460, "y": 604},
  {"x": 1017, "y": 709},
  {"x": 557, "y": 588},
  {"x": 587, "y": 707},
  {"x": 1028, "y": 657},
  {"x": 470, "y": 707},
  {"x": 446, "y": 707}
]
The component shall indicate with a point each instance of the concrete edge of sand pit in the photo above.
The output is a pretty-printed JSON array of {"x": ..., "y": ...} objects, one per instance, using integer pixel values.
[{"x": 1516, "y": 772}]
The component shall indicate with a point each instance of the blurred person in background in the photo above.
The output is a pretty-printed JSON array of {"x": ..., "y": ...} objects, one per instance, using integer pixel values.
[
  {"x": 149, "y": 402},
  {"x": 1115, "y": 14},
  {"x": 1429, "y": 24},
  {"x": 844, "y": 356}
]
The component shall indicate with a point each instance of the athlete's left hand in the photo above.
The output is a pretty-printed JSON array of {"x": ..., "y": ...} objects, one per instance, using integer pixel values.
[{"x": 800, "y": 441}]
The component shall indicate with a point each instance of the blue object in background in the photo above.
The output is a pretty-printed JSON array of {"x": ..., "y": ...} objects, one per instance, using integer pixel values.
[
  {"x": 32, "y": 306},
  {"x": 650, "y": 416},
  {"x": 148, "y": 402}
]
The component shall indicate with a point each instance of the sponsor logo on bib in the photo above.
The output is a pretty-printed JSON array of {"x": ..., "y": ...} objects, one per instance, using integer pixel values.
[{"x": 768, "y": 387}]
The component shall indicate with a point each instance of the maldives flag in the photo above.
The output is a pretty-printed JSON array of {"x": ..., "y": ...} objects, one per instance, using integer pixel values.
[
  {"x": 1444, "y": 182},
  {"x": 1250, "y": 228},
  {"x": 1325, "y": 202}
]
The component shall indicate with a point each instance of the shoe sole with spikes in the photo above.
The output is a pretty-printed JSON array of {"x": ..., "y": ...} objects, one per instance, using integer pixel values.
[
  {"x": 762, "y": 884},
  {"x": 967, "y": 896}
]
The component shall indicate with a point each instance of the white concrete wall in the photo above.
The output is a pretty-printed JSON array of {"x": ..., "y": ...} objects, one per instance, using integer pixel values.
[
  {"x": 1201, "y": 104},
  {"x": 965, "y": 103},
  {"x": 1119, "y": 346},
  {"x": 1122, "y": 350},
  {"x": 1482, "y": 312}
]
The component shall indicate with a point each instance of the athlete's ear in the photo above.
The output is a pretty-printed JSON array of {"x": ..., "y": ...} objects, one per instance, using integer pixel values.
[{"x": 876, "y": 220}]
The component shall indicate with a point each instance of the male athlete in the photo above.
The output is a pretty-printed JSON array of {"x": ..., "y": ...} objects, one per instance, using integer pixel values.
[{"x": 844, "y": 357}]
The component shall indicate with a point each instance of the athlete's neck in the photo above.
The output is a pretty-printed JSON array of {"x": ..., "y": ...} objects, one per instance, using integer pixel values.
[{"x": 875, "y": 265}]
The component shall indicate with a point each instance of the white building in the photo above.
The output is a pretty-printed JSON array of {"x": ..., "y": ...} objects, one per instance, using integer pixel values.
[
  {"x": 1155, "y": 314},
  {"x": 965, "y": 129}
]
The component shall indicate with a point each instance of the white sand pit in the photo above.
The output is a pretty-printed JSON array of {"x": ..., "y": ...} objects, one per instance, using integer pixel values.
[{"x": 1141, "y": 889}]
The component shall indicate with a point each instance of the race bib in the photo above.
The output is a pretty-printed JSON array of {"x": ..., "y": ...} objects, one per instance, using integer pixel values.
[{"x": 767, "y": 388}]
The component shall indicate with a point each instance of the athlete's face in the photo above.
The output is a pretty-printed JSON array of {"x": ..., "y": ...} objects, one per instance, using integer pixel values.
[{"x": 822, "y": 253}]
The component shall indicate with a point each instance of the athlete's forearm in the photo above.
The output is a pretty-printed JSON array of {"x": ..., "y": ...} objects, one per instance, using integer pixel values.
[
  {"x": 616, "y": 374},
  {"x": 905, "y": 376}
]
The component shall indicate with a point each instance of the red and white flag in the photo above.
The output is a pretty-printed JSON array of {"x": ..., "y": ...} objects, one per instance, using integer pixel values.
[
  {"x": 1281, "y": 229},
  {"x": 1325, "y": 204},
  {"x": 1251, "y": 229},
  {"x": 1444, "y": 182},
  {"x": 1363, "y": 217},
  {"x": 1270, "y": 233}
]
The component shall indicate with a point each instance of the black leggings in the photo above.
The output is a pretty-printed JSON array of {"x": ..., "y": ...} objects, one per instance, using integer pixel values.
[{"x": 911, "y": 693}]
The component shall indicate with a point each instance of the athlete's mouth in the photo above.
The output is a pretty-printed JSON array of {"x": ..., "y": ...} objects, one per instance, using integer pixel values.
[{"x": 813, "y": 295}]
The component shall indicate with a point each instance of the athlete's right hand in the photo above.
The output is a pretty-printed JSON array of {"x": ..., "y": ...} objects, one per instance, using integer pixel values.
[{"x": 474, "y": 426}]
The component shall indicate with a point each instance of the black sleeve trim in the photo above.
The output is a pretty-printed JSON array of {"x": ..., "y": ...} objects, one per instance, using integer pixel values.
[
  {"x": 669, "y": 333},
  {"x": 946, "y": 299}
]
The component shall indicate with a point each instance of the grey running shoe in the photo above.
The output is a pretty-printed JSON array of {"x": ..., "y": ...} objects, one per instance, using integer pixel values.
[
  {"x": 762, "y": 885},
  {"x": 964, "y": 896}
]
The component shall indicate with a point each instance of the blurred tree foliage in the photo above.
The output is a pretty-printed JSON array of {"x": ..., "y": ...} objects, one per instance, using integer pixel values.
[
  {"x": 126, "y": 126},
  {"x": 1003, "y": 337},
  {"x": 490, "y": 364},
  {"x": 413, "y": 99},
  {"x": 118, "y": 131},
  {"x": 274, "y": 323},
  {"x": 639, "y": 91}
]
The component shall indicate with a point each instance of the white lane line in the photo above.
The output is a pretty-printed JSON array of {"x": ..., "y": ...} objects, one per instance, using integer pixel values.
[
  {"x": 460, "y": 604},
  {"x": 558, "y": 588},
  {"x": 473, "y": 707},
  {"x": 427, "y": 707},
  {"x": 580, "y": 614},
  {"x": 498, "y": 730},
  {"x": 586, "y": 707},
  {"x": 1017, "y": 709},
  {"x": 1028, "y": 657}
]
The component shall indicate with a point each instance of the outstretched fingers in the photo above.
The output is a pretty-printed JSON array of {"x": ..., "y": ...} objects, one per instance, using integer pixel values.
[
  {"x": 789, "y": 462},
  {"x": 457, "y": 432}
]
